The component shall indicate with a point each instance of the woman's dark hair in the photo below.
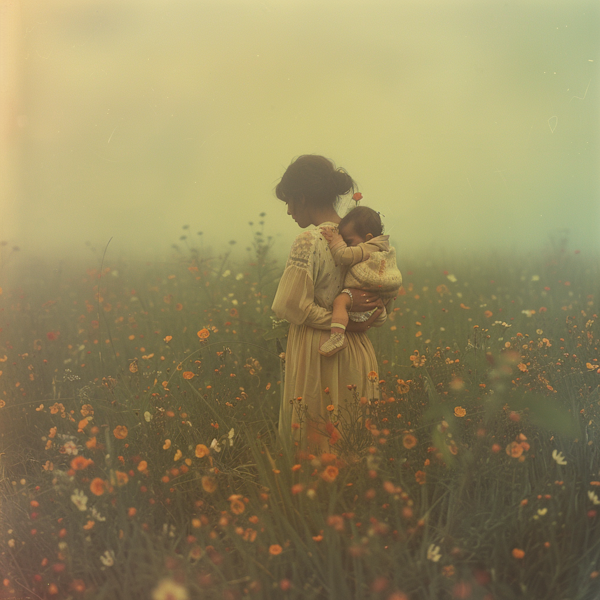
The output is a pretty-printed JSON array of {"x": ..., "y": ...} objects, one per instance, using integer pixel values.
[
  {"x": 364, "y": 220},
  {"x": 316, "y": 179}
]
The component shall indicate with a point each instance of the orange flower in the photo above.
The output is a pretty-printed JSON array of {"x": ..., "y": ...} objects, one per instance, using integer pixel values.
[
  {"x": 120, "y": 432},
  {"x": 330, "y": 407},
  {"x": 236, "y": 505},
  {"x": 97, "y": 486},
  {"x": 142, "y": 466},
  {"x": 448, "y": 570},
  {"x": 203, "y": 333},
  {"x": 209, "y": 484},
  {"x": 81, "y": 462},
  {"x": 522, "y": 367},
  {"x": 402, "y": 386},
  {"x": 202, "y": 451},
  {"x": 372, "y": 376},
  {"x": 179, "y": 306},
  {"x": 275, "y": 549},
  {"x": 420, "y": 477},
  {"x": 188, "y": 375},
  {"x": 409, "y": 441},
  {"x": 168, "y": 338},
  {"x": 82, "y": 424},
  {"x": 327, "y": 457},
  {"x": 87, "y": 410},
  {"x": 233, "y": 312},
  {"x": 131, "y": 511},
  {"x": 459, "y": 411},
  {"x": 514, "y": 449},
  {"x": 122, "y": 478},
  {"x": 89, "y": 524},
  {"x": 357, "y": 197},
  {"x": 518, "y": 553},
  {"x": 167, "y": 444},
  {"x": 330, "y": 473},
  {"x": 91, "y": 443},
  {"x": 488, "y": 313}
]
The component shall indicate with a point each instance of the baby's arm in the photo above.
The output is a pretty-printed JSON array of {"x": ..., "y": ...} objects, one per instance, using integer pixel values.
[{"x": 343, "y": 255}]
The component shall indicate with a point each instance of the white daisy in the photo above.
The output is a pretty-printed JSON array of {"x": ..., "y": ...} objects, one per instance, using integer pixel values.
[
  {"x": 433, "y": 553},
  {"x": 70, "y": 448},
  {"x": 108, "y": 558},
  {"x": 558, "y": 457},
  {"x": 79, "y": 499}
]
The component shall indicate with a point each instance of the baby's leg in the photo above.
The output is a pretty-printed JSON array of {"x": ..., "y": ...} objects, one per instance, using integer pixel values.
[
  {"x": 339, "y": 316},
  {"x": 339, "y": 321}
]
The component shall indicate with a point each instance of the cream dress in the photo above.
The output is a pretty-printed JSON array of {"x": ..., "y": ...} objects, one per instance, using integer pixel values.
[{"x": 310, "y": 282}]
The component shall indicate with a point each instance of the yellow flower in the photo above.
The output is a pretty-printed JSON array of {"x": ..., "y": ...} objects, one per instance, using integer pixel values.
[
  {"x": 208, "y": 484},
  {"x": 202, "y": 451},
  {"x": 459, "y": 411}
]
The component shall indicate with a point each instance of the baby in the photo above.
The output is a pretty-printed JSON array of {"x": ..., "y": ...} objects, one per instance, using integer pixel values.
[{"x": 361, "y": 246}]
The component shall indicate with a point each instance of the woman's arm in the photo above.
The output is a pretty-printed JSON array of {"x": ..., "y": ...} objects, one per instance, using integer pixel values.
[
  {"x": 295, "y": 296},
  {"x": 294, "y": 300}
]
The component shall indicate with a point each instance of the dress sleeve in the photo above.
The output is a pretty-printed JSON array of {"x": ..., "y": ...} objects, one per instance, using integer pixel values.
[{"x": 295, "y": 297}]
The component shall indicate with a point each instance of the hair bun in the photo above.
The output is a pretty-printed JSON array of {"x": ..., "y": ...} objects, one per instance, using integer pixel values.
[{"x": 343, "y": 182}]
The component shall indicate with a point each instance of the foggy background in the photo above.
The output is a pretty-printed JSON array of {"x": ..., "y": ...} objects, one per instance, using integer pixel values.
[{"x": 470, "y": 125}]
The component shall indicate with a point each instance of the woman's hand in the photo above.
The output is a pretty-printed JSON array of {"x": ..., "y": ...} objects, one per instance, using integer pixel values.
[
  {"x": 363, "y": 300},
  {"x": 355, "y": 327}
]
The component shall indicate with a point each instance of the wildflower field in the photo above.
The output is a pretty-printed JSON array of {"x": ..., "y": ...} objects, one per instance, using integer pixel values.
[{"x": 140, "y": 457}]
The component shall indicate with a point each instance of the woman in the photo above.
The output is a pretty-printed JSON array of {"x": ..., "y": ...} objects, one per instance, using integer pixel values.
[{"x": 310, "y": 187}]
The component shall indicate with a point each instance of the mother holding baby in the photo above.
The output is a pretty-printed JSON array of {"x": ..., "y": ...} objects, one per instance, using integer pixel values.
[{"x": 311, "y": 281}]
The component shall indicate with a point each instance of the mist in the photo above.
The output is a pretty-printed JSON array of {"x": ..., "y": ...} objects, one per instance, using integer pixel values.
[{"x": 470, "y": 126}]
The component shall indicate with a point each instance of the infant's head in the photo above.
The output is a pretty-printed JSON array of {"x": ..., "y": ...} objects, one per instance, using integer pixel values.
[{"x": 360, "y": 225}]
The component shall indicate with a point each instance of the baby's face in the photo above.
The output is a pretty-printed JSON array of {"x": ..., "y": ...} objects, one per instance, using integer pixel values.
[{"x": 350, "y": 236}]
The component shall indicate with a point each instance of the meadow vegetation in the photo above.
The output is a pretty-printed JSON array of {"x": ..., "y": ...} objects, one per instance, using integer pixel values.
[{"x": 140, "y": 456}]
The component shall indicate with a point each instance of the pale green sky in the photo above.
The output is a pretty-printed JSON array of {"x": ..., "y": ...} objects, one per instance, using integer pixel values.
[{"x": 469, "y": 125}]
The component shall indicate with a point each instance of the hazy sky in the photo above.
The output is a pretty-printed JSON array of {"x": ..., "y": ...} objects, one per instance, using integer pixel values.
[{"x": 469, "y": 125}]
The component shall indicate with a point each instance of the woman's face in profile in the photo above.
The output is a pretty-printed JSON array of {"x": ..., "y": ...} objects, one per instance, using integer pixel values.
[{"x": 297, "y": 210}]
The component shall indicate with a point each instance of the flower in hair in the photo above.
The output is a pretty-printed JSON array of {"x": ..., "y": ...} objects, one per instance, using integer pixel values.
[{"x": 357, "y": 197}]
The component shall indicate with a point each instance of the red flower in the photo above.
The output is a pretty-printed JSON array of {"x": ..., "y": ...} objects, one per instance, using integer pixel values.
[{"x": 53, "y": 335}]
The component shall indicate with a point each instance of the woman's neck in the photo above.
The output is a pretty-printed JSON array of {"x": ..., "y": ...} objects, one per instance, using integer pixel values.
[{"x": 324, "y": 216}]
